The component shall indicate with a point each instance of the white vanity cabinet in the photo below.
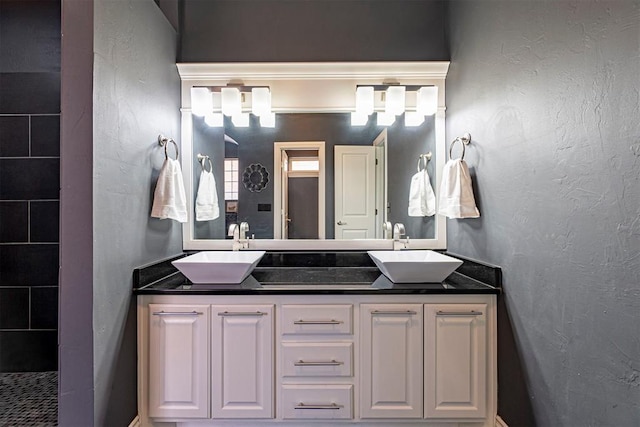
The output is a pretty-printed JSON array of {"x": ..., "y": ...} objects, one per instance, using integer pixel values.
[
  {"x": 316, "y": 362},
  {"x": 242, "y": 361},
  {"x": 455, "y": 357},
  {"x": 284, "y": 360},
  {"x": 391, "y": 357},
  {"x": 178, "y": 361}
]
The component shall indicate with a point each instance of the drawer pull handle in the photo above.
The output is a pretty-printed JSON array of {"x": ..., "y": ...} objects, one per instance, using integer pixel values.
[
  {"x": 317, "y": 322},
  {"x": 411, "y": 312},
  {"x": 177, "y": 313},
  {"x": 329, "y": 406},
  {"x": 458, "y": 313},
  {"x": 329, "y": 363},
  {"x": 241, "y": 313}
]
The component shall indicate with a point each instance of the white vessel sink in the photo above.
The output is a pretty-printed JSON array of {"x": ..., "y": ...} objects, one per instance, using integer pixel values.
[
  {"x": 218, "y": 266},
  {"x": 414, "y": 266}
]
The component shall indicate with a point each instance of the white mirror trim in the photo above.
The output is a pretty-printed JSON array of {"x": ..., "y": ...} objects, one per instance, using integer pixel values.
[{"x": 311, "y": 87}]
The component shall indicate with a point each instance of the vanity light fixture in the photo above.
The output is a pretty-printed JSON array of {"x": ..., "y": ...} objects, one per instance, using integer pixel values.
[
  {"x": 260, "y": 101},
  {"x": 240, "y": 120},
  {"x": 395, "y": 100},
  {"x": 233, "y": 100},
  {"x": 413, "y": 118},
  {"x": 359, "y": 119},
  {"x": 427, "y": 102},
  {"x": 215, "y": 120},
  {"x": 201, "y": 101},
  {"x": 268, "y": 120},
  {"x": 386, "y": 119},
  {"x": 391, "y": 99},
  {"x": 364, "y": 101}
]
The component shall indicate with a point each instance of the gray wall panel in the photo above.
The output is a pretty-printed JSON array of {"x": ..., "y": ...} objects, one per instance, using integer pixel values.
[
  {"x": 549, "y": 92},
  {"x": 312, "y": 30},
  {"x": 136, "y": 97}
]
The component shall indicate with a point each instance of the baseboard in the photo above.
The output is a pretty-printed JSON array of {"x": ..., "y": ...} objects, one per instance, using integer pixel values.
[
  {"x": 500, "y": 422},
  {"x": 136, "y": 422}
]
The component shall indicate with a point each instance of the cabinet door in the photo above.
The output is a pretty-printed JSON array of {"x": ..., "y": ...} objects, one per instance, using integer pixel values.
[
  {"x": 178, "y": 363},
  {"x": 391, "y": 352},
  {"x": 242, "y": 361},
  {"x": 455, "y": 360}
]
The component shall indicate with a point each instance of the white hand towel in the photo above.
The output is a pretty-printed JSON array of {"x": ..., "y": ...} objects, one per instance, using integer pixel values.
[
  {"x": 422, "y": 200},
  {"x": 207, "y": 208},
  {"x": 169, "y": 200},
  {"x": 456, "y": 193}
]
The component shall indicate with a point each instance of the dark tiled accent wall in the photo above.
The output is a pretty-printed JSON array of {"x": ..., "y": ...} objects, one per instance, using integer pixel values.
[{"x": 29, "y": 184}]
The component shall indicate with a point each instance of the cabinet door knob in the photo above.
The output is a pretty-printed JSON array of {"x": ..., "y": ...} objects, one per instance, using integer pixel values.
[{"x": 341, "y": 223}]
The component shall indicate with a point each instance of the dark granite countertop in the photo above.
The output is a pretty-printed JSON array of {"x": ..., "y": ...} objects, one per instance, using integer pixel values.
[{"x": 296, "y": 273}]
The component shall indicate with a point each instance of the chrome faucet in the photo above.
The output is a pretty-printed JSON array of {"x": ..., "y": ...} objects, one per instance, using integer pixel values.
[
  {"x": 244, "y": 239},
  {"x": 239, "y": 234},
  {"x": 398, "y": 241},
  {"x": 386, "y": 229}
]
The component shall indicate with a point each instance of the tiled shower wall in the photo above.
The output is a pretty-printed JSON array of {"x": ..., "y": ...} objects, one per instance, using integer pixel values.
[{"x": 29, "y": 184}]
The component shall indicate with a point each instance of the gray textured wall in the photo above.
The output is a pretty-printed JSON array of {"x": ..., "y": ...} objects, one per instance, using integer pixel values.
[
  {"x": 75, "y": 337},
  {"x": 136, "y": 97},
  {"x": 312, "y": 30},
  {"x": 550, "y": 94}
]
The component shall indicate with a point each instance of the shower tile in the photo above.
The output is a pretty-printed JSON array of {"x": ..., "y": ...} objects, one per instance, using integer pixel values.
[
  {"x": 14, "y": 226},
  {"x": 28, "y": 351},
  {"x": 45, "y": 136},
  {"x": 14, "y": 308},
  {"x": 29, "y": 93},
  {"x": 44, "y": 308},
  {"x": 14, "y": 136},
  {"x": 45, "y": 218},
  {"x": 29, "y": 265},
  {"x": 29, "y": 179}
]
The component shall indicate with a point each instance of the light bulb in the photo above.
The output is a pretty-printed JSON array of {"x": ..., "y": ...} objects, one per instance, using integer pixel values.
[
  {"x": 364, "y": 100},
  {"x": 394, "y": 104}
]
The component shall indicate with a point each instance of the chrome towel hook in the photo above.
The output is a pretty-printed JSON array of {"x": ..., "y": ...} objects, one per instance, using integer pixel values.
[
  {"x": 426, "y": 157},
  {"x": 202, "y": 158},
  {"x": 464, "y": 139},
  {"x": 163, "y": 141}
]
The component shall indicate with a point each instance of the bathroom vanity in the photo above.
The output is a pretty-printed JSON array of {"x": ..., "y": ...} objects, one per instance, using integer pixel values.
[{"x": 317, "y": 339}]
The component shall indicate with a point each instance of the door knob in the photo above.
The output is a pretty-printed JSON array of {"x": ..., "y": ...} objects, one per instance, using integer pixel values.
[{"x": 341, "y": 223}]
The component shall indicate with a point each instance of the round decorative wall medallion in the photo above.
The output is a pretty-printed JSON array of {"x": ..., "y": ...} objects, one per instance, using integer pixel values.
[{"x": 255, "y": 177}]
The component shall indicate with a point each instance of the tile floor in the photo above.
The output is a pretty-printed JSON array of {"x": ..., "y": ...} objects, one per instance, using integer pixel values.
[{"x": 29, "y": 399}]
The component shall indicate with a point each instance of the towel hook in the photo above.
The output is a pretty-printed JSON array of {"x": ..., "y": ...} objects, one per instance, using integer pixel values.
[
  {"x": 164, "y": 141},
  {"x": 464, "y": 139},
  {"x": 426, "y": 158},
  {"x": 202, "y": 158}
]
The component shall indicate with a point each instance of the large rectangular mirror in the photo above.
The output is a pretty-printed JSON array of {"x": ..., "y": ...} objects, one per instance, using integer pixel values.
[{"x": 312, "y": 181}]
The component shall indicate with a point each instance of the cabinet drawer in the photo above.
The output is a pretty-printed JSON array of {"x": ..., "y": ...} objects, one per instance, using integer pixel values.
[
  {"x": 317, "y": 319},
  {"x": 317, "y": 359},
  {"x": 317, "y": 402}
]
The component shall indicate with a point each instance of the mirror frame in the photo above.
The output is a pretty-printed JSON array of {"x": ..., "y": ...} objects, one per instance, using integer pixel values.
[{"x": 310, "y": 87}]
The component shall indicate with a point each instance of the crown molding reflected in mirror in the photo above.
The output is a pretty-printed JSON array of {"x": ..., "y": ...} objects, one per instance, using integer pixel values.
[{"x": 310, "y": 88}]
